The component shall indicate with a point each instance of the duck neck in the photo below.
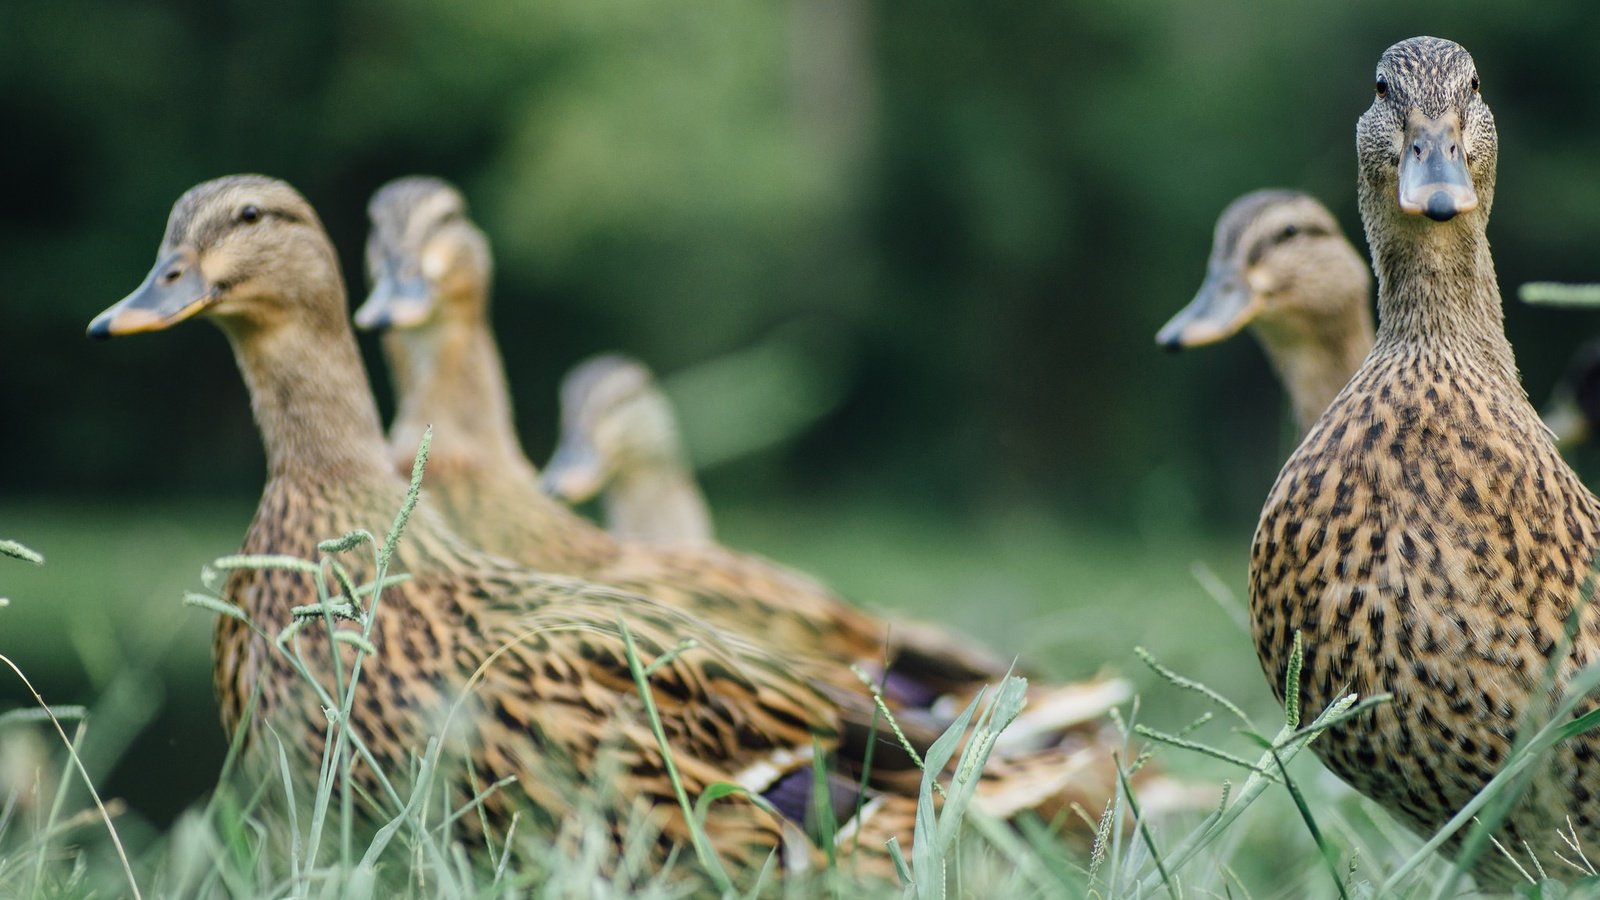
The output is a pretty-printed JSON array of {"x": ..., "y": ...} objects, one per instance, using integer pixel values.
[
  {"x": 1316, "y": 358},
  {"x": 312, "y": 401},
  {"x": 1437, "y": 292},
  {"x": 657, "y": 502},
  {"x": 449, "y": 374}
]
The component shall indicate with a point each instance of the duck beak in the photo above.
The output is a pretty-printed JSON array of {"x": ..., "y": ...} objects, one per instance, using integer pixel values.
[
  {"x": 398, "y": 300},
  {"x": 575, "y": 473},
  {"x": 1224, "y": 305},
  {"x": 173, "y": 291},
  {"x": 1434, "y": 181}
]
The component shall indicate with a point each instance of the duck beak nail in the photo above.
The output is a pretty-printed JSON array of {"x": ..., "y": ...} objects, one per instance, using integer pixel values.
[{"x": 395, "y": 302}]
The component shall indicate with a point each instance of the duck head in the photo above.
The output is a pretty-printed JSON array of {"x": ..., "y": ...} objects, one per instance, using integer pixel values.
[
  {"x": 246, "y": 251},
  {"x": 613, "y": 418},
  {"x": 1278, "y": 261},
  {"x": 425, "y": 258},
  {"x": 1427, "y": 144}
]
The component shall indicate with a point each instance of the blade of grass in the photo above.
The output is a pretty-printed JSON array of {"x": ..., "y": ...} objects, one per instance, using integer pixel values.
[
  {"x": 349, "y": 541},
  {"x": 1552, "y": 293},
  {"x": 18, "y": 551},
  {"x": 55, "y": 811},
  {"x": 927, "y": 854},
  {"x": 413, "y": 492},
  {"x": 882, "y": 707},
  {"x": 1189, "y": 684},
  {"x": 1329, "y": 853},
  {"x": 266, "y": 561},
  {"x": 116, "y": 840},
  {"x": 70, "y": 713},
  {"x": 1288, "y": 742},
  {"x": 697, "y": 836},
  {"x": 347, "y": 690},
  {"x": 1203, "y": 749},
  {"x": 290, "y": 807},
  {"x": 826, "y": 826},
  {"x": 1144, "y": 828},
  {"x": 1291, "y": 696}
]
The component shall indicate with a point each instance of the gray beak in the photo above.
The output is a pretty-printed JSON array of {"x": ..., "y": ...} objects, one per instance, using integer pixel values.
[
  {"x": 399, "y": 299},
  {"x": 1434, "y": 181},
  {"x": 173, "y": 291},
  {"x": 1223, "y": 305},
  {"x": 575, "y": 472}
]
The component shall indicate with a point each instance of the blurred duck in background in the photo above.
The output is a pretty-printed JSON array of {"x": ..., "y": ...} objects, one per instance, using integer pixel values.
[
  {"x": 430, "y": 267},
  {"x": 1573, "y": 411},
  {"x": 1281, "y": 266},
  {"x": 620, "y": 440},
  {"x": 636, "y": 440}
]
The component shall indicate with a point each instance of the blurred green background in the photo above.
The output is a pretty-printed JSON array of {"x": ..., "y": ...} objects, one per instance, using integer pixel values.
[{"x": 970, "y": 218}]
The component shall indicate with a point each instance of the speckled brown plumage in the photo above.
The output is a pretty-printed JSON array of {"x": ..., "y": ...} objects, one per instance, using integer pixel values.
[
  {"x": 448, "y": 374},
  {"x": 1426, "y": 539},
  {"x": 619, "y": 439},
  {"x": 552, "y": 687},
  {"x": 1281, "y": 266},
  {"x": 523, "y": 673}
]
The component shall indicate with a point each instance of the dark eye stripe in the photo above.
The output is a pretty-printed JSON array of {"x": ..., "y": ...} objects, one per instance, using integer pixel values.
[{"x": 1259, "y": 248}]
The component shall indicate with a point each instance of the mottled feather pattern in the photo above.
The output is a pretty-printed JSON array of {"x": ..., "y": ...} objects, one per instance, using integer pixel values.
[
  {"x": 535, "y": 664},
  {"x": 1426, "y": 539},
  {"x": 496, "y": 503}
]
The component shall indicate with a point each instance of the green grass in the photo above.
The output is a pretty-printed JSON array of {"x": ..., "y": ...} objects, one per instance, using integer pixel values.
[{"x": 101, "y": 623}]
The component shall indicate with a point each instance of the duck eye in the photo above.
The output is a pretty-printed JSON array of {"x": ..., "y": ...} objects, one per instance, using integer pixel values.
[
  {"x": 1289, "y": 231},
  {"x": 1383, "y": 86},
  {"x": 250, "y": 214},
  {"x": 1474, "y": 82}
]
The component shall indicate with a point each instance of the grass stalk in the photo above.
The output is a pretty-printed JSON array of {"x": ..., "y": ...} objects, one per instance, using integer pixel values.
[
  {"x": 1144, "y": 830},
  {"x": 72, "y": 753},
  {"x": 1288, "y": 742},
  {"x": 701, "y": 843}
]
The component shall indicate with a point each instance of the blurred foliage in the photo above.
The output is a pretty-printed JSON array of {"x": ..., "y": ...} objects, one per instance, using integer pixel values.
[{"x": 991, "y": 208}]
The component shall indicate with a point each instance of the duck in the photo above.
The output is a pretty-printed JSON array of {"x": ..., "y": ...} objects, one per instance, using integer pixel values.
[
  {"x": 523, "y": 673},
  {"x": 619, "y": 439},
  {"x": 1281, "y": 266},
  {"x": 1426, "y": 540},
  {"x": 1573, "y": 411},
  {"x": 430, "y": 267}
]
